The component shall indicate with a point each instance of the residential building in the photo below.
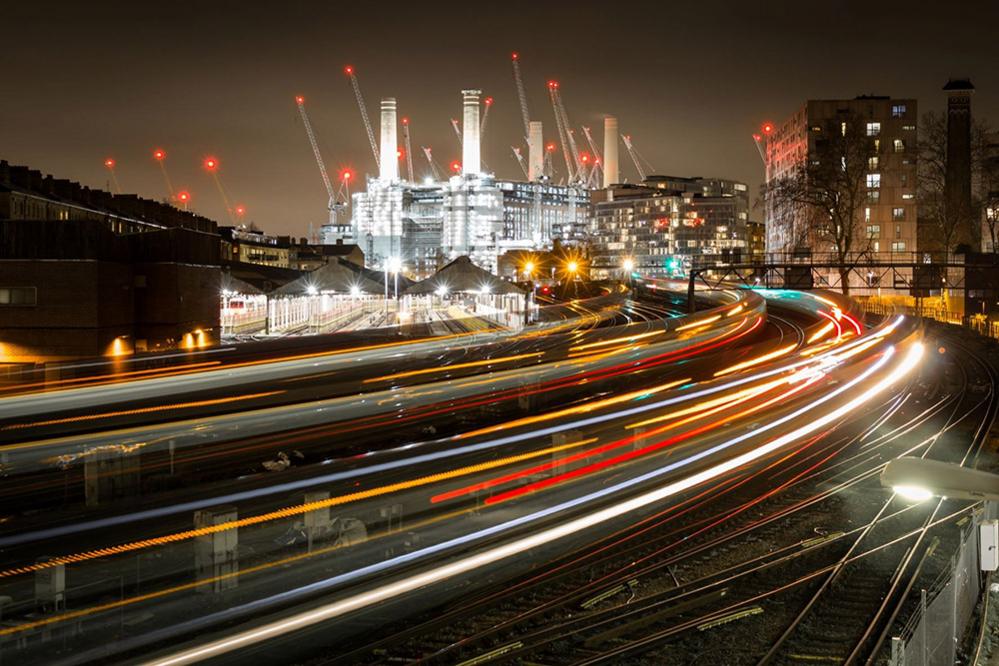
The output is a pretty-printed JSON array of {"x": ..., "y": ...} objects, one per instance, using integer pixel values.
[{"x": 888, "y": 227}]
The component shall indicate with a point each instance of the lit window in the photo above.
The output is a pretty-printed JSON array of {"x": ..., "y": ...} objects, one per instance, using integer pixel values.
[
  {"x": 867, "y": 214},
  {"x": 898, "y": 246},
  {"x": 898, "y": 213},
  {"x": 873, "y": 196},
  {"x": 909, "y": 196},
  {"x": 842, "y": 129},
  {"x": 873, "y": 180},
  {"x": 897, "y": 110},
  {"x": 877, "y": 246},
  {"x": 898, "y": 145},
  {"x": 909, "y": 128},
  {"x": 872, "y": 163},
  {"x": 18, "y": 296},
  {"x": 873, "y": 230},
  {"x": 873, "y": 129}
]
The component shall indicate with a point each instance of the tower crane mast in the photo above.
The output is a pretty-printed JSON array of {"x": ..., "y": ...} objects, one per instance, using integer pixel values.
[
  {"x": 349, "y": 70},
  {"x": 597, "y": 158},
  {"x": 520, "y": 160},
  {"x": 580, "y": 167},
  {"x": 522, "y": 95},
  {"x": 635, "y": 157},
  {"x": 562, "y": 131},
  {"x": 334, "y": 206},
  {"x": 434, "y": 169},
  {"x": 409, "y": 148}
]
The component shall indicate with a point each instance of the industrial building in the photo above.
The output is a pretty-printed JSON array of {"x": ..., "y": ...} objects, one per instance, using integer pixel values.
[
  {"x": 424, "y": 226},
  {"x": 668, "y": 223},
  {"x": 87, "y": 273}
]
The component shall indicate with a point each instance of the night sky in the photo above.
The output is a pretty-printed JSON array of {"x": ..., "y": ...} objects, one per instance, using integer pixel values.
[{"x": 689, "y": 81}]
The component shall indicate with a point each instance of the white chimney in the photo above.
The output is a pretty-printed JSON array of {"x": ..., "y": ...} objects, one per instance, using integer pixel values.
[
  {"x": 536, "y": 152},
  {"x": 611, "y": 174},
  {"x": 470, "y": 149},
  {"x": 389, "y": 161}
]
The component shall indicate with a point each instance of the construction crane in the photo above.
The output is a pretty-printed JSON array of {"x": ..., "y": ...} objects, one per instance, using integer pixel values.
[
  {"x": 562, "y": 130},
  {"x": 409, "y": 148},
  {"x": 520, "y": 160},
  {"x": 160, "y": 156},
  {"x": 349, "y": 70},
  {"x": 488, "y": 103},
  {"x": 636, "y": 157},
  {"x": 434, "y": 169},
  {"x": 457, "y": 130},
  {"x": 211, "y": 165},
  {"x": 109, "y": 164},
  {"x": 597, "y": 158},
  {"x": 523, "y": 97},
  {"x": 580, "y": 167},
  {"x": 334, "y": 206}
]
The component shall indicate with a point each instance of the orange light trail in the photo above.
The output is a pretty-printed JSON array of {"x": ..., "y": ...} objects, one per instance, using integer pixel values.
[{"x": 456, "y": 366}]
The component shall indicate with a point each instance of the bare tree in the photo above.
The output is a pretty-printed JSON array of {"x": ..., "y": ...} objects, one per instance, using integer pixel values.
[
  {"x": 941, "y": 217},
  {"x": 824, "y": 196},
  {"x": 990, "y": 190}
]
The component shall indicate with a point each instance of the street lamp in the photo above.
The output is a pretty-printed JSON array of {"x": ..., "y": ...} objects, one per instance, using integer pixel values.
[
  {"x": 628, "y": 265},
  {"x": 529, "y": 274}
]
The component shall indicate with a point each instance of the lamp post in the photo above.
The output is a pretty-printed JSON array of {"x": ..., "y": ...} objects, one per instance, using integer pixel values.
[
  {"x": 572, "y": 267},
  {"x": 394, "y": 265},
  {"x": 919, "y": 479},
  {"x": 529, "y": 274}
]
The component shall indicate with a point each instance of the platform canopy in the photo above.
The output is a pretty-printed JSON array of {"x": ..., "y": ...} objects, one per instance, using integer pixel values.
[
  {"x": 461, "y": 276},
  {"x": 334, "y": 277}
]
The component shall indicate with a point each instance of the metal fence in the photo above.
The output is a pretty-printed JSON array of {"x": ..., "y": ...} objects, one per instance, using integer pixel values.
[
  {"x": 933, "y": 635},
  {"x": 977, "y": 323}
]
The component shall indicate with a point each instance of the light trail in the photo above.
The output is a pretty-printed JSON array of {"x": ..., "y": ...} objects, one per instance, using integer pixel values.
[
  {"x": 455, "y": 366},
  {"x": 466, "y": 564}
]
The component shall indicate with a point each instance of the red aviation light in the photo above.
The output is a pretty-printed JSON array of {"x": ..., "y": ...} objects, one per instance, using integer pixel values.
[
  {"x": 348, "y": 70},
  {"x": 553, "y": 84},
  {"x": 585, "y": 158},
  {"x": 109, "y": 163},
  {"x": 299, "y": 99},
  {"x": 515, "y": 55},
  {"x": 346, "y": 175},
  {"x": 159, "y": 155},
  {"x": 757, "y": 137},
  {"x": 550, "y": 147},
  {"x": 489, "y": 101},
  {"x": 184, "y": 196},
  {"x": 240, "y": 210},
  {"x": 456, "y": 166},
  {"x": 211, "y": 163},
  {"x": 405, "y": 121},
  {"x": 768, "y": 128},
  {"x": 398, "y": 153}
]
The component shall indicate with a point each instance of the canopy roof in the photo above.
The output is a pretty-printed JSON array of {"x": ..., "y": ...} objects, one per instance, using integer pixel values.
[
  {"x": 462, "y": 276},
  {"x": 335, "y": 276}
]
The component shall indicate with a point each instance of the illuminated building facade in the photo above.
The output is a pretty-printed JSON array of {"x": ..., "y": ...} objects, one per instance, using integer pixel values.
[
  {"x": 668, "y": 223},
  {"x": 888, "y": 228}
]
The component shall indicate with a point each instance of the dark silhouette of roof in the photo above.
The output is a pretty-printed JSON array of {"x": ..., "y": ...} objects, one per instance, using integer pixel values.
[
  {"x": 959, "y": 84},
  {"x": 337, "y": 275},
  {"x": 462, "y": 276}
]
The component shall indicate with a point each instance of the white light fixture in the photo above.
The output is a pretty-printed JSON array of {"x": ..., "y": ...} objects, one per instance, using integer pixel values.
[
  {"x": 311, "y": 290},
  {"x": 913, "y": 493},
  {"x": 355, "y": 290}
]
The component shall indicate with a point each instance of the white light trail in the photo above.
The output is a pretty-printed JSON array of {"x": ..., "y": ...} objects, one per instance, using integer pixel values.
[{"x": 466, "y": 564}]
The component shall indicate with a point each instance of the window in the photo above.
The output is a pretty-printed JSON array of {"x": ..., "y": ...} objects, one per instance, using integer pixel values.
[
  {"x": 867, "y": 214},
  {"x": 908, "y": 196},
  {"x": 898, "y": 213},
  {"x": 842, "y": 129},
  {"x": 873, "y": 129},
  {"x": 898, "y": 246},
  {"x": 898, "y": 145},
  {"x": 903, "y": 179},
  {"x": 897, "y": 110},
  {"x": 872, "y": 163},
  {"x": 909, "y": 128},
  {"x": 898, "y": 231},
  {"x": 18, "y": 296},
  {"x": 874, "y": 180},
  {"x": 873, "y": 196},
  {"x": 877, "y": 246},
  {"x": 873, "y": 230}
]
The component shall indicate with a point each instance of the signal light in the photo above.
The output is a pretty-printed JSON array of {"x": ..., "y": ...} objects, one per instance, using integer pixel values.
[
  {"x": 550, "y": 147},
  {"x": 158, "y": 154},
  {"x": 240, "y": 210},
  {"x": 516, "y": 55},
  {"x": 183, "y": 196},
  {"x": 405, "y": 121},
  {"x": 585, "y": 158},
  {"x": 299, "y": 99},
  {"x": 211, "y": 163},
  {"x": 456, "y": 166},
  {"x": 346, "y": 175},
  {"x": 109, "y": 163},
  {"x": 489, "y": 100},
  {"x": 348, "y": 70},
  {"x": 768, "y": 128}
]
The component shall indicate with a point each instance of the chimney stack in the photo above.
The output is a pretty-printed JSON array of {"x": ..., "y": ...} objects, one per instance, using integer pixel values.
[
  {"x": 389, "y": 170},
  {"x": 611, "y": 174},
  {"x": 535, "y": 152},
  {"x": 470, "y": 149}
]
